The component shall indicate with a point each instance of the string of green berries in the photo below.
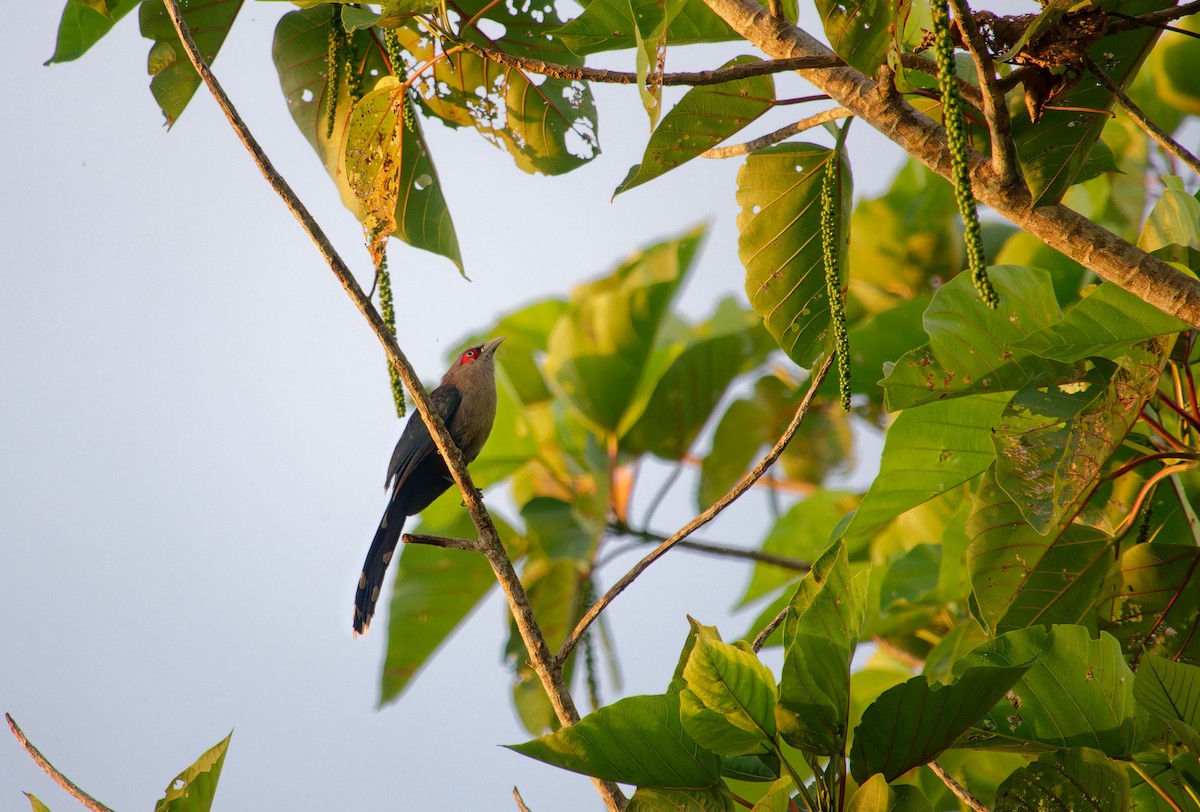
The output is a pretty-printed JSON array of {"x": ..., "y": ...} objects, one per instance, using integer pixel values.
[
  {"x": 833, "y": 283},
  {"x": 334, "y": 61},
  {"x": 591, "y": 665},
  {"x": 391, "y": 44},
  {"x": 956, "y": 138},
  {"x": 387, "y": 309}
]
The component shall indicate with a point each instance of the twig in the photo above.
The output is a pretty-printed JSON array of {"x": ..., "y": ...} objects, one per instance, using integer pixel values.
[
  {"x": 713, "y": 548},
  {"x": 704, "y": 518},
  {"x": 543, "y": 662},
  {"x": 957, "y": 788},
  {"x": 1110, "y": 257},
  {"x": 781, "y": 134},
  {"x": 760, "y": 639},
  {"x": 995, "y": 107},
  {"x": 521, "y": 807},
  {"x": 1140, "y": 118},
  {"x": 617, "y": 77},
  {"x": 445, "y": 542},
  {"x": 50, "y": 770},
  {"x": 1154, "y": 19}
]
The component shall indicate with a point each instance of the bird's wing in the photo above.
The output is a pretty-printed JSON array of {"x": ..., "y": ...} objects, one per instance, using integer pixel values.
[{"x": 416, "y": 443}]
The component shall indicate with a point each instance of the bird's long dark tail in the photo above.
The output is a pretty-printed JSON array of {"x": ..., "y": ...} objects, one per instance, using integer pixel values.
[{"x": 375, "y": 567}]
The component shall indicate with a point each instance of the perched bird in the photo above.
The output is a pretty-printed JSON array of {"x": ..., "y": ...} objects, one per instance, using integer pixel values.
[{"x": 466, "y": 402}]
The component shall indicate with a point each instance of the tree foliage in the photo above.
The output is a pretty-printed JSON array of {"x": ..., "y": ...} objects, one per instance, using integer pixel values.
[{"x": 1025, "y": 562}]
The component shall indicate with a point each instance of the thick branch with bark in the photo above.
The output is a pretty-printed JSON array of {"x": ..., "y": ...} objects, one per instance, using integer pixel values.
[{"x": 1062, "y": 228}]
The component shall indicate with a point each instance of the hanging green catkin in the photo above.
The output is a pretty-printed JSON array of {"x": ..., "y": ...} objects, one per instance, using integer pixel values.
[
  {"x": 833, "y": 282},
  {"x": 334, "y": 60},
  {"x": 589, "y": 649},
  {"x": 388, "y": 311},
  {"x": 956, "y": 137},
  {"x": 395, "y": 55}
]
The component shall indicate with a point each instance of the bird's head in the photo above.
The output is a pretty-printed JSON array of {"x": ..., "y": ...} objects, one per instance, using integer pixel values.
[{"x": 475, "y": 360}]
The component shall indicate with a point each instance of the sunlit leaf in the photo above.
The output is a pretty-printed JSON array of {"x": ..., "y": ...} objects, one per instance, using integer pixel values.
[
  {"x": 681, "y": 800},
  {"x": 83, "y": 25},
  {"x": 194, "y": 788},
  {"x": 1151, "y": 602},
  {"x": 858, "y": 30},
  {"x": 1075, "y": 780},
  {"x": 728, "y": 704},
  {"x": 174, "y": 79},
  {"x": 877, "y": 795}
]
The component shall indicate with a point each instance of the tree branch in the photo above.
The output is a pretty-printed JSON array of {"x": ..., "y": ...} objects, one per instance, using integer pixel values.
[
  {"x": 760, "y": 639},
  {"x": 616, "y": 77},
  {"x": 1141, "y": 119},
  {"x": 445, "y": 542},
  {"x": 704, "y": 518},
  {"x": 712, "y": 548},
  {"x": 544, "y": 665},
  {"x": 957, "y": 788},
  {"x": 66, "y": 783},
  {"x": 782, "y": 134},
  {"x": 969, "y": 92},
  {"x": 995, "y": 106},
  {"x": 1063, "y": 229}
]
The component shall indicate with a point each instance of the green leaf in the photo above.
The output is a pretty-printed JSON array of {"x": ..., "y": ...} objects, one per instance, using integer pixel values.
[
  {"x": 37, "y": 805},
  {"x": 1078, "y": 693},
  {"x": 638, "y": 740},
  {"x": 300, "y": 52},
  {"x": 879, "y": 341},
  {"x": 607, "y": 25},
  {"x": 1052, "y": 441},
  {"x": 877, "y": 795},
  {"x": 435, "y": 590},
  {"x": 928, "y": 451},
  {"x": 1177, "y": 778},
  {"x": 1171, "y": 691},
  {"x": 1174, "y": 220},
  {"x": 193, "y": 789},
  {"x": 728, "y": 705},
  {"x": 820, "y": 635},
  {"x": 1104, "y": 324},
  {"x": 681, "y": 800},
  {"x": 600, "y": 348},
  {"x": 680, "y": 402},
  {"x": 1151, "y": 601},
  {"x": 174, "y": 79},
  {"x": 83, "y": 25},
  {"x": 1054, "y": 151},
  {"x": 696, "y": 630},
  {"x": 1072, "y": 780},
  {"x": 971, "y": 347},
  {"x": 859, "y": 31},
  {"x": 926, "y": 718},
  {"x": 779, "y": 226},
  {"x": 703, "y": 118},
  {"x": 555, "y": 528},
  {"x": 1021, "y": 577},
  {"x": 547, "y": 126},
  {"x": 1178, "y": 65}
]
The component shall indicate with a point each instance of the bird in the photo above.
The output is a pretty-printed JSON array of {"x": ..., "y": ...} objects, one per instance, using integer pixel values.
[{"x": 417, "y": 474}]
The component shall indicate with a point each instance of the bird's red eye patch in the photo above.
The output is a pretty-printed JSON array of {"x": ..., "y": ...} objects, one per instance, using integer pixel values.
[{"x": 470, "y": 355}]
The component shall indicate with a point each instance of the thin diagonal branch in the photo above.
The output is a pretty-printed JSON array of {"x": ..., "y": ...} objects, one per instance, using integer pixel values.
[
  {"x": 543, "y": 662},
  {"x": 617, "y": 77},
  {"x": 704, "y": 518},
  {"x": 782, "y": 134},
  {"x": 995, "y": 106},
  {"x": 760, "y": 639},
  {"x": 958, "y": 789},
  {"x": 445, "y": 542},
  {"x": 1140, "y": 118},
  {"x": 1061, "y": 228},
  {"x": 722, "y": 550},
  {"x": 66, "y": 783}
]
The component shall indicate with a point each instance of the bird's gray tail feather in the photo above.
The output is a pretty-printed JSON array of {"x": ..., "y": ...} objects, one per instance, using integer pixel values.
[{"x": 370, "y": 582}]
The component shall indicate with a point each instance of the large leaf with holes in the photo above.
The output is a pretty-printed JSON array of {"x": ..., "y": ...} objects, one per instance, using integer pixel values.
[
  {"x": 703, "y": 118},
  {"x": 972, "y": 348},
  {"x": 1054, "y": 151},
  {"x": 1151, "y": 602},
  {"x": 926, "y": 718},
  {"x": 1021, "y": 577},
  {"x": 1052, "y": 441},
  {"x": 1075, "y": 780},
  {"x": 82, "y": 26},
  {"x": 194, "y": 788},
  {"x": 820, "y": 635},
  {"x": 547, "y": 126},
  {"x": 602, "y": 346},
  {"x": 420, "y": 214},
  {"x": 859, "y": 31},
  {"x": 929, "y": 450},
  {"x": 174, "y": 79},
  {"x": 1078, "y": 693},
  {"x": 638, "y": 740},
  {"x": 779, "y": 242}
]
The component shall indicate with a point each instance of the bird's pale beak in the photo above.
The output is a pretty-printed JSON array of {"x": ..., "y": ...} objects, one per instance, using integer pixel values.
[{"x": 490, "y": 347}]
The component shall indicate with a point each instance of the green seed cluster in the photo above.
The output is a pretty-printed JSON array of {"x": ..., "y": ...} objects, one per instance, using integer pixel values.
[
  {"x": 391, "y": 43},
  {"x": 388, "y": 310},
  {"x": 591, "y": 665},
  {"x": 335, "y": 60},
  {"x": 833, "y": 282},
  {"x": 956, "y": 137}
]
